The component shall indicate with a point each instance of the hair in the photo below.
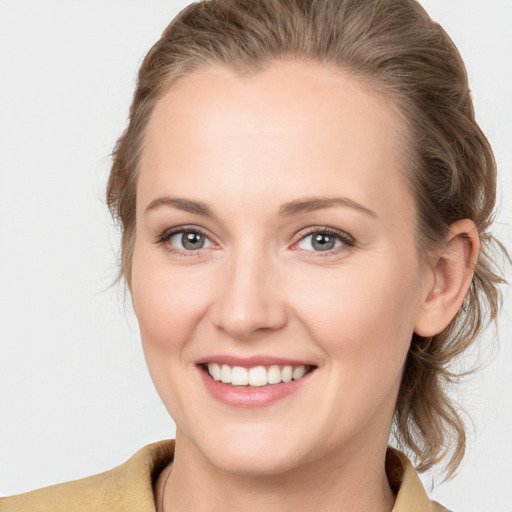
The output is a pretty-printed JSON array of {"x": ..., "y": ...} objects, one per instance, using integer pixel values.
[{"x": 395, "y": 48}]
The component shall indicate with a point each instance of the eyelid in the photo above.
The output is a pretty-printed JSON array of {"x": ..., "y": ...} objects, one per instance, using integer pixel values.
[
  {"x": 168, "y": 232},
  {"x": 347, "y": 239},
  {"x": 165, "y": 236}
]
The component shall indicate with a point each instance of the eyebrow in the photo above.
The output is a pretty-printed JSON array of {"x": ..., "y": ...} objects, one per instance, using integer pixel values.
[
  {"x": 187, "y": 205},
  {"x": 310, "y": 204},
  {"x": 296, "y": 207}
]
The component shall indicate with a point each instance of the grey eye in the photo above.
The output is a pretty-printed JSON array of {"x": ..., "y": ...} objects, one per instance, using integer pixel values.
[
  {"x": 192, "y": 241},
  {"x": 189, "y": 240},
  {"x": 320, "y": 241}
]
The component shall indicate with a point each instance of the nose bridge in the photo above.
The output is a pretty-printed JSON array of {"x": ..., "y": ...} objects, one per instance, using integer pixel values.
[{"x": 248, "y": 300}]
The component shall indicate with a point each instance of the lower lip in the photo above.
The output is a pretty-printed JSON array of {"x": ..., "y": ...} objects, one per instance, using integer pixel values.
[{"x": 245, "y": 396}]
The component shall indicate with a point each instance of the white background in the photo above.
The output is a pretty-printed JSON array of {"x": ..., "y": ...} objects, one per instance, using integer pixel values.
[{"x": 75, "y": 396}]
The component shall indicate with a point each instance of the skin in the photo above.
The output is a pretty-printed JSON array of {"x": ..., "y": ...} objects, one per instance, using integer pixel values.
[{"x": 246, "y": 146}]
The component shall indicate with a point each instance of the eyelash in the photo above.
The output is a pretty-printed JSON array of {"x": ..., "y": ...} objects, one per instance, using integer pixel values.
[
  {"x": 166, "y": 235},
  {"x": 346, "y": 240}
]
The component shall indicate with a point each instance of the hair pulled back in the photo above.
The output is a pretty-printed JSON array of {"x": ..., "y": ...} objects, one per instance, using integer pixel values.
[{"x": 394, "y": 48}]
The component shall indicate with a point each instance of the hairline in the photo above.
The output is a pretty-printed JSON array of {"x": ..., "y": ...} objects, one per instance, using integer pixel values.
[{"x": 407, "y": 153}]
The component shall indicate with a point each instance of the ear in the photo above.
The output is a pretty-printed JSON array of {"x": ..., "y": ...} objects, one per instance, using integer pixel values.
[{"x": 453, "y": 270}]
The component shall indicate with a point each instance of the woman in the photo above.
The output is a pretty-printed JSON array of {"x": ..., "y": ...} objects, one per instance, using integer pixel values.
[{"x": 305, "y": 200}]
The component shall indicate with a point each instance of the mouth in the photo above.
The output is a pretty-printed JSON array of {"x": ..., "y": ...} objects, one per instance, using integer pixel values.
[
  {"x": 256, "y": 376},
  {"x": 253, "y": 382}
]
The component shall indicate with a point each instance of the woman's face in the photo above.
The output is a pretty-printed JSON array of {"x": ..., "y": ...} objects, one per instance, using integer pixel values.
[{"x": 275, "y": 240}]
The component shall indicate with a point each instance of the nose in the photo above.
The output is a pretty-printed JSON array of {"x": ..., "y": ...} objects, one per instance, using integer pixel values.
[{"x": 249, "y": 301}]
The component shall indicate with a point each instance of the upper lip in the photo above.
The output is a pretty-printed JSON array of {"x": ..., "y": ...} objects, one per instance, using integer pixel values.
[{"x": 250, "y": 362}]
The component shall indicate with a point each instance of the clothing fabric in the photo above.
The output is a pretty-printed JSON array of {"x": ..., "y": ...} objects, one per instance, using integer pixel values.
[{"x": 129, "y": 487}]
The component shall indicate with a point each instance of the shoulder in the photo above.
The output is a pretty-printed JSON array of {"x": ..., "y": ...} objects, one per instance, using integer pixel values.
[
  {"x": 126, "y": 488},
  {"x": 437, "y": 507}
]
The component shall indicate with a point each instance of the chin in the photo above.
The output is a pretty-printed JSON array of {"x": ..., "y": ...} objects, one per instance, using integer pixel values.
[
  {"x": 251, "y": 453},
  {"x": 254, "y": 462}
]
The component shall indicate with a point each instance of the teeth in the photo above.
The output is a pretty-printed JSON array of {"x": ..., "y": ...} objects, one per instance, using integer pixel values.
[
  {"x": 286, "y": 373},
  {"x": 225, "y": 374},
  {"x": 274, "y": 375},
  {"x": 298, "y": 372},
  {"x": 240, "y": 376},
  {"x": 215, "y": 371},
  {"x": 256, "y": 376}
]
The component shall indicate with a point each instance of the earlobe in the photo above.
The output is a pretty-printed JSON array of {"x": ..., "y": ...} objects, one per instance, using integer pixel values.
[{"x": 453, "y": 272}]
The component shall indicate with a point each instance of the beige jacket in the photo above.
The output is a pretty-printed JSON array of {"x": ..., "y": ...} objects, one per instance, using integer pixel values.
[{"x": 129, "y": 487}]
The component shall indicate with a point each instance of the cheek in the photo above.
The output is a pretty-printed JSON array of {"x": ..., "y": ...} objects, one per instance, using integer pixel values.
[
  {"x": 362, "y": 313},
  {"x": 170, "y": 306},
  {"x": 169, "y": 302}
]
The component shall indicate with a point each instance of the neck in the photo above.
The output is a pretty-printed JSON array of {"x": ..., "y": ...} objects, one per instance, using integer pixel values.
[{"x": 351, "y": 481}]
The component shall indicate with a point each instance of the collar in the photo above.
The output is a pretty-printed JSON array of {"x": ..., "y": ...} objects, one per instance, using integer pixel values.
[
  {"x": 403, "y": 479},
  {"x": 405, "y": 482}
]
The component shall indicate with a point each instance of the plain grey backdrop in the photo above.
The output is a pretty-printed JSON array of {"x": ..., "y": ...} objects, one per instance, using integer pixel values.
[{"x": 75, "y": 395}]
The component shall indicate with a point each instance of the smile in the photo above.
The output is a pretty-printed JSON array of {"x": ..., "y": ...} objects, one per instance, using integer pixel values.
[
  {"x": 253, "y": 383},
  {"x": 256, "y": 376}
]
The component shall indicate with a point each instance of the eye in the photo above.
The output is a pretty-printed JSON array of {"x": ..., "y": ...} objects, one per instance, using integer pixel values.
[
  {"x": 189, "y": 240},
  {"x": 184, "y": 240},
  {"x": 325, "y": 240}
]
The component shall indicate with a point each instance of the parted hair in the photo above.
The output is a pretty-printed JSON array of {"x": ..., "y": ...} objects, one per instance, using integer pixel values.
[{"x": 394, "y": 48}]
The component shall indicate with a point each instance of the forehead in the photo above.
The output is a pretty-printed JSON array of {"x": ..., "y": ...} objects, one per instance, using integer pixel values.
[{"x": 296, "y": 125}]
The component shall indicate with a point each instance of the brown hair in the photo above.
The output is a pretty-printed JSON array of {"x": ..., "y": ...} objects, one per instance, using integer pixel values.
[{"x": 394, "y": 47}]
